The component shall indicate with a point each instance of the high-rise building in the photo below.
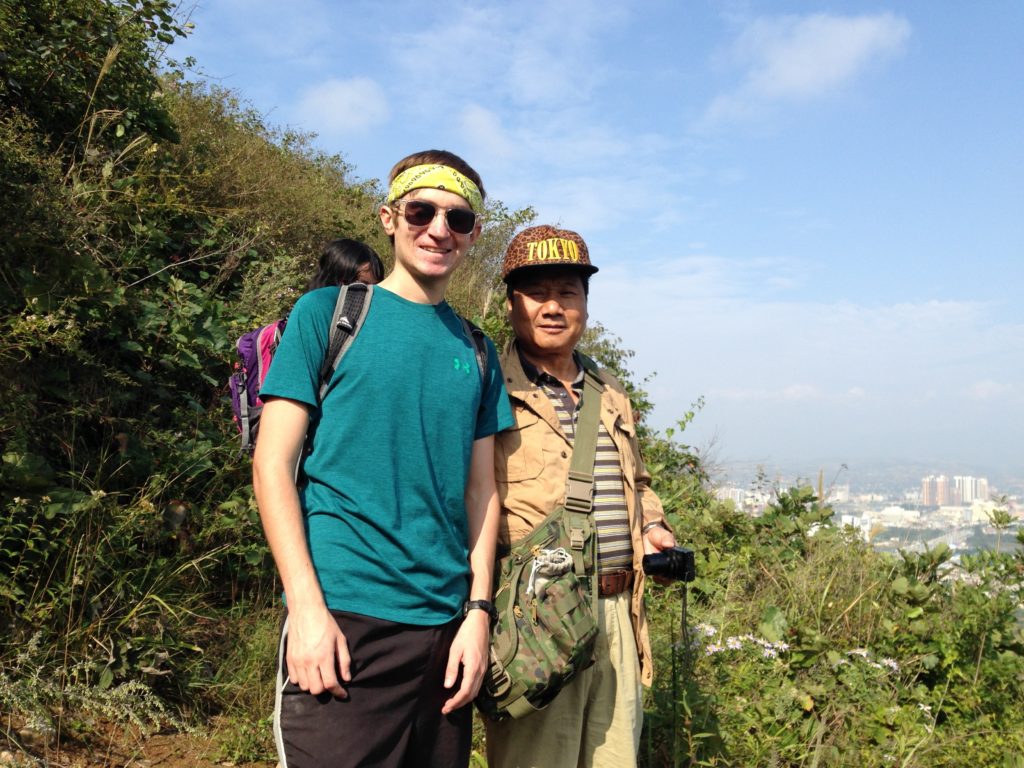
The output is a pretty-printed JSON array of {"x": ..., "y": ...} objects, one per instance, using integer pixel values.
[
  {"x": 928, "y": 491},
  {"x": 972, "y": 488}
]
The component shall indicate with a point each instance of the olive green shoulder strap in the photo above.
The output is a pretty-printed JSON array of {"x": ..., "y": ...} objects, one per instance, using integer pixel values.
[{"x": 579, "y": 487}]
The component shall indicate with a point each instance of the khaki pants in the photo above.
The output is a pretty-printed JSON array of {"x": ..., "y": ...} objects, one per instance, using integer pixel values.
[{"x": 595, "y": 721}]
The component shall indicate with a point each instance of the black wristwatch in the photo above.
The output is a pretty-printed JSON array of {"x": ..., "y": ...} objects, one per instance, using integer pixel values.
[{"x": 483, "y": 605}]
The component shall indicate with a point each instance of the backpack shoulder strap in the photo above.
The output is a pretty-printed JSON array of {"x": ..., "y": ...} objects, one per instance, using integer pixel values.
[
  {"x": 579, "y": 484},
  {"x": 349, "y": 312},
  {"x": 579, "y": 492},
  {"x": 479, "y": 339}
]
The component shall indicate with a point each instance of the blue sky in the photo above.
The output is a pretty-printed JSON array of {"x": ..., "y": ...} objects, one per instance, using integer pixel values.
[{"x": 809, "y": 214}]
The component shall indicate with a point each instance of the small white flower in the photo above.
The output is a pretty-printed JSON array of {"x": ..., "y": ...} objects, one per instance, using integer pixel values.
[
  {"x": 707, "y": 630},
  {"x": 712, "y": 649},
  {"x": 734, "y": 643}
]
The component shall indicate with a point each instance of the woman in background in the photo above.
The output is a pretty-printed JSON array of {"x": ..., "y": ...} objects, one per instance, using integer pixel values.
[{"x": 347, "y": 261}]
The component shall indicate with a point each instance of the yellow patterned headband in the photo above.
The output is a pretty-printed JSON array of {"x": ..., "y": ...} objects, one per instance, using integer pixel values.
[{"x": 436, "y": 177}]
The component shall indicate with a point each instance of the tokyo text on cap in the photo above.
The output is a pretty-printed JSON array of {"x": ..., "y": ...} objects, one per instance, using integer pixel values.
[{"x": 546, "y": 246}]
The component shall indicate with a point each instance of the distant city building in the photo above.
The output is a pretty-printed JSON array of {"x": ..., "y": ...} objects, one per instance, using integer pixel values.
[
  {"x": 971, "y": 488},
  {"x": 839, "y": 494},
  {"x": 733, "y": 494},
  {"x": 861, "y": 522},
  {"x": 981, "y": 510},
  {"x": 870, "y": 498},
  {"x": 928, "y": 491},
  {"x": 895, "y": 515},
  {"x": 938, "y": 491}
]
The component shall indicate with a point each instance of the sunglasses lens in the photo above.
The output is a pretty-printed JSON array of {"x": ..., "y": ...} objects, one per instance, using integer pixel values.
[
  {"x": 419, "y": 213},
  {"x": 461, "y": 220}
]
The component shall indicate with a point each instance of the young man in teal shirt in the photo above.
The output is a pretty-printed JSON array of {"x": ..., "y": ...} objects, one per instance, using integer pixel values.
[{"x": 386, "y": 548}]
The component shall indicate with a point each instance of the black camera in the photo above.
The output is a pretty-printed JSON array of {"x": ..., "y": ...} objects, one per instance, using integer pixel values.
[{"x": 676, "y": 564}]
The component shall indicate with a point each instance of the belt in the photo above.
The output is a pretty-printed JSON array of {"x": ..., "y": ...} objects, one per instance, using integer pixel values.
[{"x": 614, "y": 582}]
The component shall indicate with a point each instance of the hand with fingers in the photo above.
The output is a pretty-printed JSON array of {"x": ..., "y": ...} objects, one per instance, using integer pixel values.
[
  {"x": 469, "y": 650},
  {"x": 317, "y": 656},
  {"x": 658, "y": 539}
]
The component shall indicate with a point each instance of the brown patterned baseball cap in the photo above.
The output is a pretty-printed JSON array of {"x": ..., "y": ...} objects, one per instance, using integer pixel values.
[{"x": 546, "y": 246}]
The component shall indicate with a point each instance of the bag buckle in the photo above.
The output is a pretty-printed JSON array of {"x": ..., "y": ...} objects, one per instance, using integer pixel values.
[
  {"x": 579, "y": 492},
  {"x": 577, "y": 538}
]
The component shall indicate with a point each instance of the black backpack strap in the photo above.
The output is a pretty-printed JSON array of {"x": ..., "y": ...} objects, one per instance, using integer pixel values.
[
  {"x": 243, "y": 411},
  {"x": 479, "y": 339},
  {"x": 349, "y": 312}
]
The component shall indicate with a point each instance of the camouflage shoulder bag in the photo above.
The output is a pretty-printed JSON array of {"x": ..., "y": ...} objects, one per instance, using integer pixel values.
[{"x": 545, "y": 588}]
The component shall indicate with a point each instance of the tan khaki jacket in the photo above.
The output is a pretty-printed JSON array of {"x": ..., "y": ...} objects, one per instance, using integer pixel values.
[{"x": 532, "y": 462}]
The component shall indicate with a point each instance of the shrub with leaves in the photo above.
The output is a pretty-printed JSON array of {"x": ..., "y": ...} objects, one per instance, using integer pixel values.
[{"x": 803, "y": 646}]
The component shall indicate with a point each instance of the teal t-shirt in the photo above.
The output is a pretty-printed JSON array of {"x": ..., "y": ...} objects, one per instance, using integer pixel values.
[{"x": 383, "y": 499}]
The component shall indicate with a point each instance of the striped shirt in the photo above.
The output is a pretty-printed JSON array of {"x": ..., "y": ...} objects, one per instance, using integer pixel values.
[{"x": 614, "y": 544}]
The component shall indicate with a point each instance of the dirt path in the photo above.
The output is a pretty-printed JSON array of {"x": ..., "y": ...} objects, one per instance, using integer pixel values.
[{"x": 175, "y": 750}]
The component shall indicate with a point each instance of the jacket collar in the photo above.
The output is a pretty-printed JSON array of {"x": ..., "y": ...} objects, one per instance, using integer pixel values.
[{"x": 523, "y": 390}]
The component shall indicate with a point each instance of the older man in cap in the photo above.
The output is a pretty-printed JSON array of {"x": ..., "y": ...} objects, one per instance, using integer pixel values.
[{"x": 596, "y": 719}]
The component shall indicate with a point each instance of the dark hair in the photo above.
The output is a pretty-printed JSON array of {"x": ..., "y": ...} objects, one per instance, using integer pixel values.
[
  {"x": 525, "y": 276},
  {"x": 438, "y": 157},
  {"x": 341, "y": 261}
]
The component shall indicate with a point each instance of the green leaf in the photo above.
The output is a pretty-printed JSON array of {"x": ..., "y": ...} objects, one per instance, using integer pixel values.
[
  {"x": 773, "y": 624},
  {"x": 254, "y": 557}
]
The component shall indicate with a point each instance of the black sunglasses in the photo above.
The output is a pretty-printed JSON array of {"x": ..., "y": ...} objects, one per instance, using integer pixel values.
[{"x": 420, "y": 213}]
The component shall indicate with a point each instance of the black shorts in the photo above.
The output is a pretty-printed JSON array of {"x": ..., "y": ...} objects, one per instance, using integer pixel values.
[{"x": 392, "y": 716}]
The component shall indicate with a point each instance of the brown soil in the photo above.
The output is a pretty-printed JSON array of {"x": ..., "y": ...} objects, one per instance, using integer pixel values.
[{"x": 119, "y": 749}]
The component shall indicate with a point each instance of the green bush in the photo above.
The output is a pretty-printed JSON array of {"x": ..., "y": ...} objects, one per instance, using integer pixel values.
[{"x": 806, "y": 647}]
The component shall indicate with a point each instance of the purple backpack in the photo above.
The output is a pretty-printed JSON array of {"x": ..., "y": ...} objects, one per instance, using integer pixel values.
[{"x": 256, "y": 351}]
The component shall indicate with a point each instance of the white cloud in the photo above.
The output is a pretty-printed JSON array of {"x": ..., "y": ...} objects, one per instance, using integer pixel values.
[
  {"x": 796, "y": 58},
  {"x": 988, "y": 389},
  {"x": 527, "y": 56},
  {"x": 342, "y": 107},
  {"x": 484, "y": 131}
]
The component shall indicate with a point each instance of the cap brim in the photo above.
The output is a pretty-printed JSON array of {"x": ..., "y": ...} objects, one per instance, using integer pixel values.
[{"x": 586, "y": 269}]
